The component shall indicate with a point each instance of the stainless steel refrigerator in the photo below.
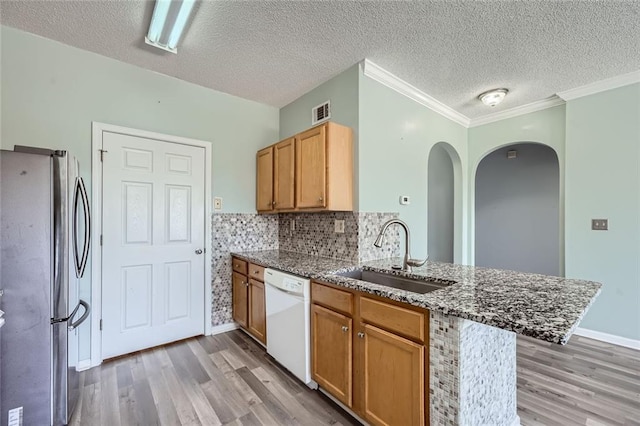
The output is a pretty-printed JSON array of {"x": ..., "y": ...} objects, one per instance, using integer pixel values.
[{"x": 44, "y": 245}]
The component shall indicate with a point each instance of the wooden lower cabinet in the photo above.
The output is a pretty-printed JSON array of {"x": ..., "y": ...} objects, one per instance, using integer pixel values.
[
  {"x": 393, "y": 379},
  {"x": 257, "y": 311},
  {"x": 377, "y": 366},
  {"x": 249, "y": 308},
  {"x": 240, "y": 286},
  {"x": 332, "y": 357}
]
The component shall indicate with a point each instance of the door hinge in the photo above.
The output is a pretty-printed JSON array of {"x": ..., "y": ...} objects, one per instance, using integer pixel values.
[
  {"x": 100, "y": 239},
  {"x": 100, "y": 324},
  {"x": 102, "y": 151}
]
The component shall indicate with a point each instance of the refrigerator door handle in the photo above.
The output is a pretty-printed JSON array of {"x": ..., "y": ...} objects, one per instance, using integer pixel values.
[
  {"x": 81, "y": 261},
  {"x": 85, "y": 315}
]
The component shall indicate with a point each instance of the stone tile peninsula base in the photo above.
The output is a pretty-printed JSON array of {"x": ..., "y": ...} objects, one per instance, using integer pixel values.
[{"x": 472, "y": 378}]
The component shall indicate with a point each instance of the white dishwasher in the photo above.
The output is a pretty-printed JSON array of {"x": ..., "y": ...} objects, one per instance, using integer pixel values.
[{"x": 288, "y": 300}]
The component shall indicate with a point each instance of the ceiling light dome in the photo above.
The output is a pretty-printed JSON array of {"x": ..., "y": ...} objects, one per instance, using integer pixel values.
[{"x": 493, "y": 97}]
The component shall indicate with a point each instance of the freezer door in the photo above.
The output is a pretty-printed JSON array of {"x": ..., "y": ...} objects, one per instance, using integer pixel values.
[{"x": 25, "y": 275}]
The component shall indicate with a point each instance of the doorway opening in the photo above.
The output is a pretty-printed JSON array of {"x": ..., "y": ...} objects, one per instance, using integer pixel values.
[
  {"x": 517, "y": 209},
  {"x": 444, "y": 204}
]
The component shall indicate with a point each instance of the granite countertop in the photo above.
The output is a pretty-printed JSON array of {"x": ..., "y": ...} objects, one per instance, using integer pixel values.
[{"x": 544, "y": 307}]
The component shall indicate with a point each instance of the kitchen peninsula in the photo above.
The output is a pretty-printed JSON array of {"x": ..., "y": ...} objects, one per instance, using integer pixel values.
[{"x": 472, "y": 320}]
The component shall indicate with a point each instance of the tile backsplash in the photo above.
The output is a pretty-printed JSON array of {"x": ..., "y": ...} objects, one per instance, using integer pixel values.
[
  {"x": 312, "y": 234},
  {"x": 235, "y": 232}
]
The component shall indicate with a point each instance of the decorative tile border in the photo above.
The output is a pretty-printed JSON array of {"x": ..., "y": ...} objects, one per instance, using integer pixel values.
[{"x": 235, "y": 232}]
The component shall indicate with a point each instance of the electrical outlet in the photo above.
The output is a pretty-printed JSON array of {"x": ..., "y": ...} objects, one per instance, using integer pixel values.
[
  {"x": 600, "y": 224},
  {"x": 293, "y": 225},
  {"x": 15, "y": 417},
  {"x": 217, "y": 203},
  {"x": 339, "y": 226}
]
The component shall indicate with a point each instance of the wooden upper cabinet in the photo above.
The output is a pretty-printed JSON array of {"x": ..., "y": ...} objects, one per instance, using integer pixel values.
[
  {"x": 284, "y": 174},
  {"x": 264, "y": 180},
  {"x": 312, "y": 171}
]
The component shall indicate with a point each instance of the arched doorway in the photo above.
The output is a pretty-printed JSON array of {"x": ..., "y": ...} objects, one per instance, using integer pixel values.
[
  {"x": 517, "y": 209},
  {"x": 443, "y": 201}
]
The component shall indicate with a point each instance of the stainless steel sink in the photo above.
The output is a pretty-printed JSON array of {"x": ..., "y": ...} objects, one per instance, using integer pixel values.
[{"x": 402, "y": 283}]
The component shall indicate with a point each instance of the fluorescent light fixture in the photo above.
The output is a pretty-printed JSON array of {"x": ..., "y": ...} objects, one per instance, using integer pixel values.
[
  {"x": 493, "y": 97},
  {"x": 168, "y": 22}
]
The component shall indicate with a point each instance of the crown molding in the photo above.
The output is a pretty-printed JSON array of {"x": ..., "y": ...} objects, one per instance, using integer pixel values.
[
  {"x": 601, "y": 86},
  {"x": 384, "y": 77},
  {"x": 516, "y": 111}
]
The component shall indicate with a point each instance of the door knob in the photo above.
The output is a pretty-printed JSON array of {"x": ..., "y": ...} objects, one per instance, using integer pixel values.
[{"x": 199, "y": 251}]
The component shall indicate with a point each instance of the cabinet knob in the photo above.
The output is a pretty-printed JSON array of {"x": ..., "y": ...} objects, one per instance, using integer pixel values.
[
  {"x": 345, "y": 328},
  {"x": 320, "y": 199},
  {"x": 199, "y": 251},
  {"x": 273, "y": 203},
  {"x": 246, "y": 284},
  {"x": 361, "y": 335}
]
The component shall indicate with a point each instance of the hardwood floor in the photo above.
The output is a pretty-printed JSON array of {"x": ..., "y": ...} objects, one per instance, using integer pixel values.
[
  {"x": 586, "y": 382},
  {"x": 229, "y": 379}
]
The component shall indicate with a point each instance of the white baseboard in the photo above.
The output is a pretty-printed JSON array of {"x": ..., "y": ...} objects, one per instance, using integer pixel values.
[
  {"x": 609, "y": 338},
  {"x": 223, "y": 328},
  {"x": 85, "y": 364}
]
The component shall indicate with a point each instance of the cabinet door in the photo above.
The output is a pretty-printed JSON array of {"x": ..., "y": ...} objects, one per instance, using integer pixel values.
[
  {"x": 284, "y": 174},
  {"x": 257, "y": 312},
  {"x": 240, "y": 286},
  {"x": 331, "y": 356},
  {"x": 393, "y": 379},
  {"x": 264, "y": 180},
  {"x": 311, "y": 168}
]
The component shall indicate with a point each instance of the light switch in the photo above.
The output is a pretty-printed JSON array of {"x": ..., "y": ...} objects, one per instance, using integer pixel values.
[{"x": 600, "y": 224}]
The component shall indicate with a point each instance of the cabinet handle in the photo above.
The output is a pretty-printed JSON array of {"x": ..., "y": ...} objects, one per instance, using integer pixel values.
[
  {"x": 345, "y": 328},
  {"x": 361, "y": 335}
]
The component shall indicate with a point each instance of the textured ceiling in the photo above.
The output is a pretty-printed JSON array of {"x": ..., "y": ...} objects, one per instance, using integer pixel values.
[{"x": 273, "y": 52}]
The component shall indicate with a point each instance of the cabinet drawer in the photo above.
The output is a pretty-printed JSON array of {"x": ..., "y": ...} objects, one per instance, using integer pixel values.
[
  {"x": 336, "y": 299},
  {"x": 256, "y": 272},
  {"x": 240, "y": 266},
  {"x": 393, "y": 318}
]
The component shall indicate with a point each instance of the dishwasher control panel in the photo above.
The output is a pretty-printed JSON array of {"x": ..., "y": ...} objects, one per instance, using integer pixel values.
[{"x": 290, "y": 284}]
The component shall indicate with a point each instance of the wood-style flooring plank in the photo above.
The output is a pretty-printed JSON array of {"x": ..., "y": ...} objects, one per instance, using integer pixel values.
[{"x": 230, "y": 379}]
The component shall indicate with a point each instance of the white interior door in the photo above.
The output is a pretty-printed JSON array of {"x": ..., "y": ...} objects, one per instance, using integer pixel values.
[{"x": 153, "y": 242}]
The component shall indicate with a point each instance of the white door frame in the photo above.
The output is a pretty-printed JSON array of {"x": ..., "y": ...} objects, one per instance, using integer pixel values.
[{"x": 96, "y": 209}]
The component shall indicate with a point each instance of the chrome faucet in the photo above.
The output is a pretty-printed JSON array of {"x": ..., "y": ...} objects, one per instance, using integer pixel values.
[{"x": 408, "y": 261}]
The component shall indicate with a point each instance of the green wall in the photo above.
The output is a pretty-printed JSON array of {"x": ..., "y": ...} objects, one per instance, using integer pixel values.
[
  {"x": 603, "y": 181},
  {"x": 393, "y": 138},
  {"x": 342, "y": 91},
  {"x": 52, "y": 92},
  {"x": 396, "y": 136}
]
